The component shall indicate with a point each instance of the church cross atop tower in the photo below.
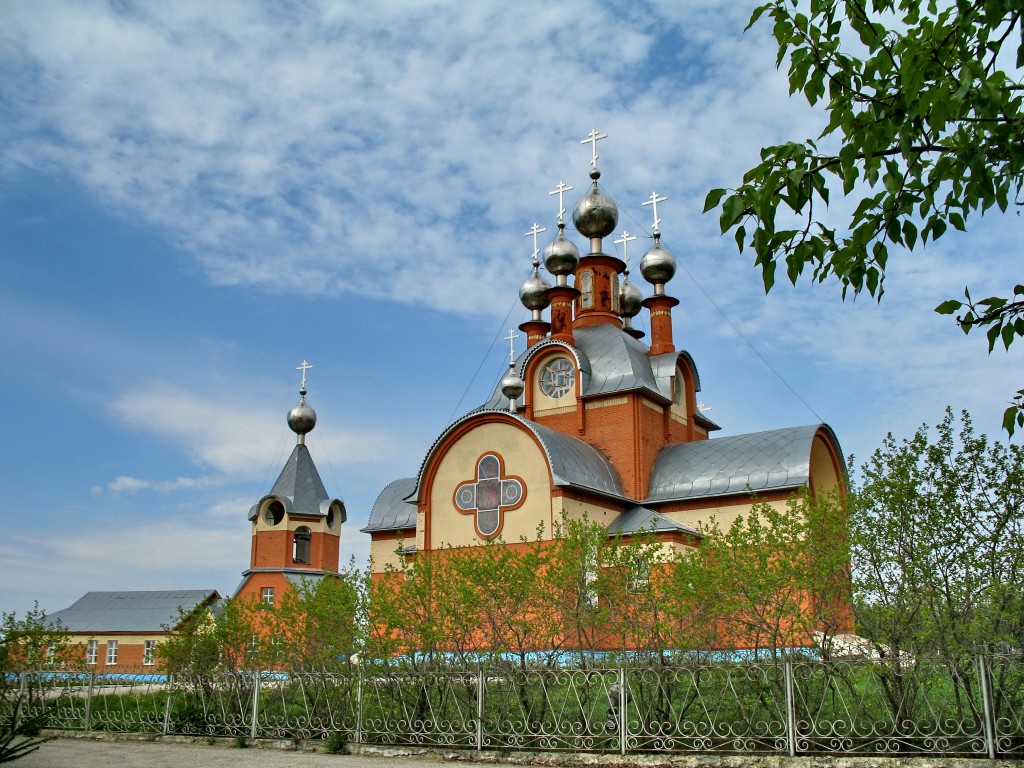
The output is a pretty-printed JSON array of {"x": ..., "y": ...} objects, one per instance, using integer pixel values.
[
  {"x": 304, "y": 367},
  {"x": 592, "y": 138},
  {"x": 653, "y": 201},
  {"x": 511, "y": 339},
  {"x": 625, "y": 240},
  {"x": 560, "y": 190},
  {"x": 535, "y": 230}
]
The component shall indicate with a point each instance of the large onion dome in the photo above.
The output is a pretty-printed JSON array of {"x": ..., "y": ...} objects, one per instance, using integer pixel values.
[
  {"x": 630, "y": 298},
  {"x": 561, "y": 256},
  {"x": 512, "y": 385},
  {"x": 658, "y": 265},
  {"x": 595, "y": 214},
  {"x": 302, "y": 418},
  {"x": 533, "y": 292}
]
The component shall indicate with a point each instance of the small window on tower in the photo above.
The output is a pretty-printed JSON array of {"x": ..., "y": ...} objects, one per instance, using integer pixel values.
[
  {"x": 300, "y": 551},
  {"x": 267, "y": 595},
  {"x": 586, "y": 289},
  {"x": 273, "y": 513}
]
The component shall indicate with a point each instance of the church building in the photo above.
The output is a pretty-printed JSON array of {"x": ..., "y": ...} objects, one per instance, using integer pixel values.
[{"x": 593, "y": 420}]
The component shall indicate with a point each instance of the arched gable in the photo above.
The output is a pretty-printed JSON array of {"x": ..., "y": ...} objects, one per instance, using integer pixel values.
[{"x": 540, "y": 459}]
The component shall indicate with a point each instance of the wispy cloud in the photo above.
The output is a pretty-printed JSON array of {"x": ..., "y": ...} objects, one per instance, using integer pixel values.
[{"x": 397, "y": 153}]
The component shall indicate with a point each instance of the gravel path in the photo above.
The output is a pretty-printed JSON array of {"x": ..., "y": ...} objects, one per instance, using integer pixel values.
[{"x": 89, "y": 753}]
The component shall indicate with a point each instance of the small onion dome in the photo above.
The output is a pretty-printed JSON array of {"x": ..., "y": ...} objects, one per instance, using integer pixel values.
[
  {"x": 595, "y": 214},
  {"x": 533, "y": 292},
  {"x": 562, "y": 255},
  {"x": 658, "y": 265},
  {"x": 630, "y": 298},
  {"x": 302, "y": 418},
  {"x": 512, "y": 384}
]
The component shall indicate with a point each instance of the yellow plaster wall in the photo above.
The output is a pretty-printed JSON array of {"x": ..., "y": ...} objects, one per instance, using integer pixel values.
[
  {"x": 544, "y": 404},
  {"x": 522, "y": 458},
  {"x": 724, "y": 516},
  {"x": 823, "y": 470},
  {"x": 385, "y": 552},
  {"x": 573, "y": 509}
]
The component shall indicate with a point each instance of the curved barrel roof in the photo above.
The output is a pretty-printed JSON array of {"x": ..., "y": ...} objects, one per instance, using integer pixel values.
[{"x": 778, "y": 458}]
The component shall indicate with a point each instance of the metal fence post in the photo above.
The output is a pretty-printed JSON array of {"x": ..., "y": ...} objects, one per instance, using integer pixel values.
[
  {"x": 787, "y": 667},
  {"x": 623, "y": 719},
  {"x": 986, "y": 701},
  {"x": 87, "y": 717},
  {"x": 167, "y": 706},
  {"x": 359, "y": 703},
  {"x": 480, "y": 686},
  {"x": 255, "y": 703}
]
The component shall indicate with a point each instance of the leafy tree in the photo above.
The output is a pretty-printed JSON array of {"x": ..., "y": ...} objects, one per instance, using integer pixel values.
[
  {"x": 34, "y": 641},
  {"x": 777, "y": 578},
  {"x": 925, "y": 129},
  {"x": 317, "y": 624},
  {"x": 937, "y": 532}
]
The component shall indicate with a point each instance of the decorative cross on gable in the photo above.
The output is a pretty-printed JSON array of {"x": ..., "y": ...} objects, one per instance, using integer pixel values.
[{"x": 490, "y": 496}]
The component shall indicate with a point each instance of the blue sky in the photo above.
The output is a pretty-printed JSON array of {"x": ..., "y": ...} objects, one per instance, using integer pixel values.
[{"x": 195, "y": 197}]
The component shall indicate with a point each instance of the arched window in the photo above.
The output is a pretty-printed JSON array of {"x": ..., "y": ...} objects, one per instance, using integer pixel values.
[
  {"x": 586, "y": 288},
  {"x": 300, "y": 549},
  {"x": 273, "y": 513}
]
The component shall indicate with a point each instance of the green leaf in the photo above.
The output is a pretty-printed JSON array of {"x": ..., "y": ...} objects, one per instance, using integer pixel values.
[
  {"x": 713, "y": 198},
  {"x": 949, "y": 307}
]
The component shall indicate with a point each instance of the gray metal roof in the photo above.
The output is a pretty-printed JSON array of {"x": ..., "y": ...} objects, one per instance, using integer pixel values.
[
  {"x": 576, "y": 463},
  {"x": 300, "y": 488},
  {"x": 778, "y": 458},
  {"x": 131, "y": 611},
  {"x": 644, "y": 520},
  {"x": 391, "y": 511},
  {"x": 618, "y": 362},
  {"x": 609, "y": 361}
]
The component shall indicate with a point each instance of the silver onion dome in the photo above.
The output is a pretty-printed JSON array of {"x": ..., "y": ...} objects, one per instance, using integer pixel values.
[
  {"x": 533, "y": 292},
  {"x": 658, "y": 265},
  {"x": 595, "y": 214},
  {"x": 630, "y": 298},
  {"x": 301, "y": 418},
  {"x": 512, "y": 384},
  {"x": 561, "y": 256}
]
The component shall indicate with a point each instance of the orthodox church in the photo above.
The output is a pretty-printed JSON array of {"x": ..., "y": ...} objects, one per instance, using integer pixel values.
[{"x": 592, "y": 421}]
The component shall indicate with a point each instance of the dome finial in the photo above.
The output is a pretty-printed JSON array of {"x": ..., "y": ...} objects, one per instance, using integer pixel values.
[
  {"x": 653, "y": 201},
  {"x": 534, "y": 291},
  {"x": 560, "y": 190},
  {"x": 302, "y": 418},
  {"x": 592, "y": 138},
  {"x": 512, "y": 384},
  {"x": 658, "y": 265}
]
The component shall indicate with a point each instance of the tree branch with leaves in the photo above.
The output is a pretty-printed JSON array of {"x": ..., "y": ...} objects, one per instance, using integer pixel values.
[{"x": 930, "y": 131}]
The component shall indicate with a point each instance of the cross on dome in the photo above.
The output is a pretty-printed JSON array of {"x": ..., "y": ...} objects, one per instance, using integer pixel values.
[
  {"x": 625, "y": 240},
  {"x": 592, "y": 138},
  {"x": 535, "y": 230},
  {"x": 511, "y": 339},
  {"x": 304, "y": 367},
  {"x": 560, "y": 190},
  {"x": 653, "y": 201}
]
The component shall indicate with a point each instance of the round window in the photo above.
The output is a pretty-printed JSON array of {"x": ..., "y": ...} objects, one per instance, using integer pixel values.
[{"x": 557, "y": 377}]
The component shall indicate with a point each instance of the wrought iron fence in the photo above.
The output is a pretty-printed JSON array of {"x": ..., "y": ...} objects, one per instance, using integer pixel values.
[{"x": 780, "y": 705}]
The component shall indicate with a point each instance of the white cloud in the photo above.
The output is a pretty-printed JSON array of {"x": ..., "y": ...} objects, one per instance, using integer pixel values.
[
  {"x": 223, "y": 434},
  {"x": 340, "y": 150}
]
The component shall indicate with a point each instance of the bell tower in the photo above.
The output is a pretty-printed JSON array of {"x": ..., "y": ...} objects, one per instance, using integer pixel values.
[{"x": 296, "y": 528}]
